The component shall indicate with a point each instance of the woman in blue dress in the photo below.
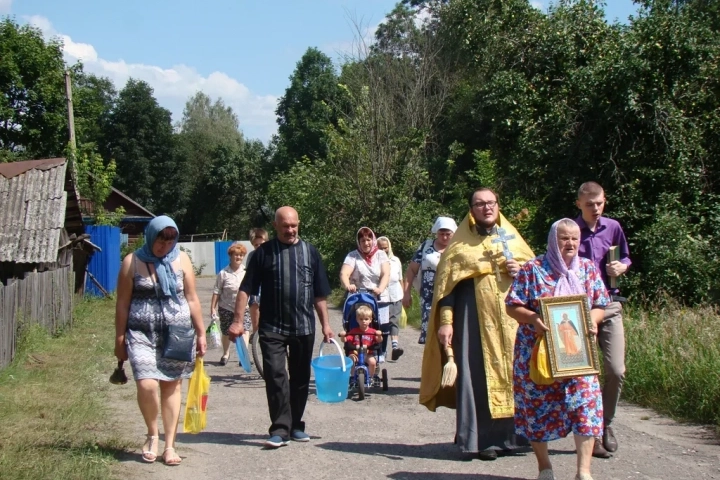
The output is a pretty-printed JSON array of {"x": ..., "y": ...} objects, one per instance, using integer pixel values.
[{"x": 156, "y": 285}]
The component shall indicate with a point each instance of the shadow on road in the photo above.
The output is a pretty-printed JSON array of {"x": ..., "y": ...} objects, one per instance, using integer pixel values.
[
  {"x": 223, "y": 438},
  {"x": 397, "y": 451},
  {"x": 448, "y": 476},
  {"x": 245, "y": 380}
]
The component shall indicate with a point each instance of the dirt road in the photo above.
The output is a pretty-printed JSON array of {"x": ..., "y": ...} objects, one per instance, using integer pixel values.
[{"x": 389, "y": 435}]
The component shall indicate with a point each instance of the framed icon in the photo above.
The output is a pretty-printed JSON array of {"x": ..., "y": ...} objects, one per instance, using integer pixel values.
[{"x": 572, "y": 349}]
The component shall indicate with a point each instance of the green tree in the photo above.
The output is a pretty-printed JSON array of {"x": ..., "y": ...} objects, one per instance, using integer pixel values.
[
  {"x": 93, "y": 101},
  {"x": 33, "y": 120},
  {"x": 234, "y": 193},
  {"x": 140, "y": 139},
  {"x": 95, "y": 179},
  {"x": 363, "y": 181},
  {"x": 207, "y": 129},
  {"x": 309, "y": 105}
]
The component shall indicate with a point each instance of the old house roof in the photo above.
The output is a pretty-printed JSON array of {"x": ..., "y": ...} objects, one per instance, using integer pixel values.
[
  {"x": 37, "y": 200},
  {"x": 133, "y": 210}
]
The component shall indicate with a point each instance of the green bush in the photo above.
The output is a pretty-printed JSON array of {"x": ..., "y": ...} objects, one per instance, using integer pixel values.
[
  {"x": 679, "y": 258},
  {"x": 128, "y": 248}
]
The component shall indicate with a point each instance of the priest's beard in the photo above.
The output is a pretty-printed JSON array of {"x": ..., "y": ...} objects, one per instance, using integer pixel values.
[{"x": 485, "y": 223}]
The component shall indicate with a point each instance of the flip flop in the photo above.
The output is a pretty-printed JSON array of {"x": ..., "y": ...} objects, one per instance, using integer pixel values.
[{"x": 174, "y": 459}]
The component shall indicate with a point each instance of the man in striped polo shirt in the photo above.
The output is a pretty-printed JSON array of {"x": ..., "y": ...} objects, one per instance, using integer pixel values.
[{"x": 294, "y": 286}]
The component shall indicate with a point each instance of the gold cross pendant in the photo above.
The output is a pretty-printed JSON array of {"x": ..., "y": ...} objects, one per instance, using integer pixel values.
[{"x": 491, "y": 258}]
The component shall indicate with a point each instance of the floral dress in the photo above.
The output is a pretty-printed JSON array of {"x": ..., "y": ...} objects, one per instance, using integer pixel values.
[
  {"x": 427, "y": 257},
  {"x": 549, "y": 412}
]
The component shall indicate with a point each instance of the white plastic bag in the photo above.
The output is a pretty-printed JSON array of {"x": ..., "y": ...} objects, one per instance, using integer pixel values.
[{"x": 212, "y": 335}]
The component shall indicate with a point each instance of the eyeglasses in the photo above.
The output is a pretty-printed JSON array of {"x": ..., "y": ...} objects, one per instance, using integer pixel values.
[{"x": 490, "y": 204}]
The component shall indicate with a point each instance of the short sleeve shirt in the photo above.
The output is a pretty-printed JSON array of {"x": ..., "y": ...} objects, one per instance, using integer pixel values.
[
  {"x": 358, "y": 337},
  {"x": 428, "y": 258},
  {"x": 366, "y": 275},
  {"x": 227, "y": 285},
  {"x": 292, "y": 277}
]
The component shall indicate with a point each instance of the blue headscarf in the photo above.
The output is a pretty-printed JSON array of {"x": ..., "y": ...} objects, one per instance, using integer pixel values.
[{"x": 163, "y": 268}]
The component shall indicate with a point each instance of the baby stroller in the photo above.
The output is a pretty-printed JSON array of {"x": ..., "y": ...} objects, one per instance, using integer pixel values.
[{"x": 360, "y": 377}]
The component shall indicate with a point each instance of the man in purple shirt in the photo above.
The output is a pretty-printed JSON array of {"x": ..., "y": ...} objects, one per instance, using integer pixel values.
[{"x": 597, "y": 235}]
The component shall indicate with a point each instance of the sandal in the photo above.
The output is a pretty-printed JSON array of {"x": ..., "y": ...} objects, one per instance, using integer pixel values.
[
  {"x": 223, "y": 361},
  {"x": 174, "y": 457},
  {"x": 147, "y": 454}
]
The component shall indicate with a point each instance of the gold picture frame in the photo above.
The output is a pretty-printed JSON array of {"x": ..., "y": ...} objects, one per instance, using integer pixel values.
[{"x": 572, "y": 349}]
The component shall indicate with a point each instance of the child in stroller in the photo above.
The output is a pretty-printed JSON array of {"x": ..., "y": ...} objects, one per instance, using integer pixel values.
[{"x": 362, "y": 340}]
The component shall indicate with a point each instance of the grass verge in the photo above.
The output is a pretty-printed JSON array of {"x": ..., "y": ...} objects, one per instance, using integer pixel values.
[
  {"x": 53, "y": 401},
  {"x": 673, "y": 361}
]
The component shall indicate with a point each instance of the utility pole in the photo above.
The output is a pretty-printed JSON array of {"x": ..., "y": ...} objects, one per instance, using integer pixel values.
[{"x": 71, "y": 116}]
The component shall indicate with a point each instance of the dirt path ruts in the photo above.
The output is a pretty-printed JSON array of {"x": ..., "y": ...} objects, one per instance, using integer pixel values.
[{"x": 389, "y": 435}]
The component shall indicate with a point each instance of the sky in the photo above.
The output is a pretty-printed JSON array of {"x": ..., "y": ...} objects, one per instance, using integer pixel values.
[{"x": 241, "y": 50}]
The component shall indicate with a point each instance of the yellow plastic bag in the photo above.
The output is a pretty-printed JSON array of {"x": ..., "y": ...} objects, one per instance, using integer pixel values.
[
  {"x": 403, "y": 319},
  {"x": 196, "y": 405},
  {"x": 540, "y": 363}
]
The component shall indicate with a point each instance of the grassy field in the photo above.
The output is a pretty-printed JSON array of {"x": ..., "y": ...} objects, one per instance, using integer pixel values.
[
  {"x": 673, "y": 362},
  {"x": 53, "y": 401}
]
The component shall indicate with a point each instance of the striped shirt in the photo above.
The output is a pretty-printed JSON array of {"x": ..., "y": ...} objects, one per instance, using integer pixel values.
[{"x": 292, "y": 277}]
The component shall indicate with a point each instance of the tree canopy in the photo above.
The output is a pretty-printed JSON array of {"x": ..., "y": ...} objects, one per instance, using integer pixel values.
[{"x": 451, "y": 95}]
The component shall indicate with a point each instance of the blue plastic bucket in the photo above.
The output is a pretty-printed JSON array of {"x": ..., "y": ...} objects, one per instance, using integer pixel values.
[{"x": 332, "y": 375}]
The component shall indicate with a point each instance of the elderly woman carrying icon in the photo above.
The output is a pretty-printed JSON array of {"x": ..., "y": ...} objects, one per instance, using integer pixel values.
[{"x": 548, "y": 412}]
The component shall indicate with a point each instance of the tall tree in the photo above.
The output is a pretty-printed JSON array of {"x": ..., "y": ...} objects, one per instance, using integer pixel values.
[
  {"x": 206, "y": 129},
  {"x": 33, "y": 120},
  {"x": 309, "y": 105},
  {"x": 140, "y": 140},
  {"x": 93, "y": 101},
  {"x": 233, "y": 195}
]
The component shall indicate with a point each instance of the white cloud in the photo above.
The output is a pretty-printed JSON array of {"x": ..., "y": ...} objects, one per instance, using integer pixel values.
[
  {"x": 538, "y": 5},
  {"x": 174, "y": 85},
  {"x": 5, "y": 6}
]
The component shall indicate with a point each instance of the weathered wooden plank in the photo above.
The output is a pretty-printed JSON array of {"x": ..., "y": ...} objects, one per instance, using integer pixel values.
[{"x": 40, "y": 298}]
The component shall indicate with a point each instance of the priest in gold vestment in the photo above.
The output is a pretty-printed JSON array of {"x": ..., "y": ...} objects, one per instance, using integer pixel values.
[{"x": 468, "y": 312}]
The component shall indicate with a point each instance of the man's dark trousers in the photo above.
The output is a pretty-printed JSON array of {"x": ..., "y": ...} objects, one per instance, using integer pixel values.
[{"x": 286, "y": 399}]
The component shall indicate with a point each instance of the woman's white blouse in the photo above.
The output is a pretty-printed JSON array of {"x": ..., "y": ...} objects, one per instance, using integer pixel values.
[{"x": 367, "y": 276}]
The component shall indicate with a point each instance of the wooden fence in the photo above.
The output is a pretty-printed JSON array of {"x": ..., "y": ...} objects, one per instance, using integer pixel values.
[{"x": 44, "y": 298}]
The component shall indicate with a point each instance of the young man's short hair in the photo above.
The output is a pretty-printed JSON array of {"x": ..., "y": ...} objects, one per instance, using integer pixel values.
[{"x": 590, "y": 188}]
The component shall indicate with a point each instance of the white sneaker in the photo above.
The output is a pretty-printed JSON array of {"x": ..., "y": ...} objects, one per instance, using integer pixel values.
[
  {"x": 381, "y": 359},
  {"x": 546, "y": 474}
]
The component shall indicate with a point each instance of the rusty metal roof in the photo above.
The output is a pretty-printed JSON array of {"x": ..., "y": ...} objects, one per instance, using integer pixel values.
[{"x": 33, "y": 203}]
